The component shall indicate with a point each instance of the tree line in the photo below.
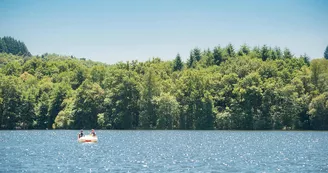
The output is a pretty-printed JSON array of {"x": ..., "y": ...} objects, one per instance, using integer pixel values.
[{"x": 256, "y": 88}]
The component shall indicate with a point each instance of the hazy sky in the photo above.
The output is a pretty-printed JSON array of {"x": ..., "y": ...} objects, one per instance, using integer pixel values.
[{"x": 120, "y": 30}]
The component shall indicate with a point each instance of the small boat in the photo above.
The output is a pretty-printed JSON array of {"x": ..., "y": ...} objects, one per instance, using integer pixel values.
[{"x": 88, "y": 138}]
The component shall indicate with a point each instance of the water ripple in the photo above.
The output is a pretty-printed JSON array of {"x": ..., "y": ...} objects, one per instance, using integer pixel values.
[{"x": 164, "y": 151}]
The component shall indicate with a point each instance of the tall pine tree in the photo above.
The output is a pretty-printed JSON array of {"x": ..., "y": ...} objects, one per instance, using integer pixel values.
[
  {"x": 218, "y": 55},
  {"x": 326, "y": 53},
  {"x": 230, "y": 50},
  {"x": 287, "y": 54},
  {"x": 177, "y": 64}
]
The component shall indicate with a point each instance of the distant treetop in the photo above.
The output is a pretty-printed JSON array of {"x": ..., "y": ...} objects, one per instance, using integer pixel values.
[
  {"x": 326, "y": 53},
  {"x": 13, "y": 46}
]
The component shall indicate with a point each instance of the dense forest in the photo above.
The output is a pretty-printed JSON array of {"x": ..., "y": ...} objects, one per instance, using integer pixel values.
[{"x": 220, "y": 88}]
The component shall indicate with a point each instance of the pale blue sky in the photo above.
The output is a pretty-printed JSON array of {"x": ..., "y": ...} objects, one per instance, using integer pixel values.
[{"x": 119, "y": 30}]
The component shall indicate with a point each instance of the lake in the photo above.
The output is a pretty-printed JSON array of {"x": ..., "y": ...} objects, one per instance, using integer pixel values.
[{"x": 164, "y": 151}]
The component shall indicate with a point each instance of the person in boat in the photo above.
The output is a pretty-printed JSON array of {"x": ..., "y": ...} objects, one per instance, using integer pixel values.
[
  {"x": 93, "y": 133},
  {"x": 81, "y": 134}
]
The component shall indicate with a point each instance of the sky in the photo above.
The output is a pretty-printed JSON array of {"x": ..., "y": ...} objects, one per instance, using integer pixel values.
[{"x": 111, "y": 31}]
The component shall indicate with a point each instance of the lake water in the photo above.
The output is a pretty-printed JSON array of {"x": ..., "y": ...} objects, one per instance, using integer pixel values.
[{"x": 164, "y": 151}]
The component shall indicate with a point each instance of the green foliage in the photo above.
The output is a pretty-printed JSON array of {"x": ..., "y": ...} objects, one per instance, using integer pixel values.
[
  {"x": 207, "y": 59},
  {"x": 97, "y": 73},
  {"x": 319, "y": 111},
  {"x": 276, "y": 53},
  {"x": 121, "y": 109},
  {"x": 230, "y": 50},
  {"x": 195, "y": 56},
  {"x": 287, "y": 54},
  {"x": 325, "y": 54},
  {"x": 254, "y": 88},
  {"x": 167, "y": 109},
  {"x": 149, "y": 91},
  {"x": 15, "y": 47},
  {"x": 3, "y": 46},
  {"x": 177, "y": 63},
  {"x": 256, "y": 52},
  {"x": 58, "y": 95},
  {"x": 306, "y": 59},
  {"x": 265, "y": 53},
  {"x": 87, "y": 105},
  {"x": 218, "y": 55},
  {"x": 319, "y": 69},
  {"x": 195, "y": 53},
  {"x": 10, "y": 94},
  {"x": 12, "y": 69},
  {"x": 244, "y": 50}
]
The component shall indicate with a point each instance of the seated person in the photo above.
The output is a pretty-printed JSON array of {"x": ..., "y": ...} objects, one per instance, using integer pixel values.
[
  {"x": 80, "y": 134},
  {"x": 93, "y": 133}
]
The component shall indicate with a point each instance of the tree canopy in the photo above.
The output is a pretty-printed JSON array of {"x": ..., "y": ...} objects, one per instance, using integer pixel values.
[{"x": 223, "y": 88}]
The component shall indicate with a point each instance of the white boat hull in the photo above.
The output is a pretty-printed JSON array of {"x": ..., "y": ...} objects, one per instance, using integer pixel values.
[{"x": 88, "y": 138}]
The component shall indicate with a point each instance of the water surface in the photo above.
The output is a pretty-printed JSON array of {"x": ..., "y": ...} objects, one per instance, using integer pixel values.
[{"x": 164, "y": 151}]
